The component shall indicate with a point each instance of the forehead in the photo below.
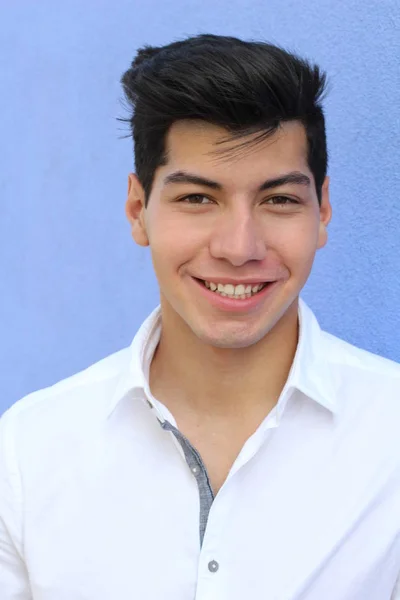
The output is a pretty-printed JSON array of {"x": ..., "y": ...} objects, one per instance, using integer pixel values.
[{"x": 192, "y": 145}]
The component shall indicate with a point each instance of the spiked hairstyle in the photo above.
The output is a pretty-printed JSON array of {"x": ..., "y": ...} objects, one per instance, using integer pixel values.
[{"x": 245, "y": 87}]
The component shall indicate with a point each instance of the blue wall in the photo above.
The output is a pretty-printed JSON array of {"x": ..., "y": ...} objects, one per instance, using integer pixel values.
[{"x": 74, "y": 288}]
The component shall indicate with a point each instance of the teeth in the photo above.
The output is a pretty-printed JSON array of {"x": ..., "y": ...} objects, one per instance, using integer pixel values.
[{"x": 239, "y": 291}]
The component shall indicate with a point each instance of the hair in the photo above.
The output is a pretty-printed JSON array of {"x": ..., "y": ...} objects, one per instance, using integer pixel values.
[{"x": 245, "y": 87}]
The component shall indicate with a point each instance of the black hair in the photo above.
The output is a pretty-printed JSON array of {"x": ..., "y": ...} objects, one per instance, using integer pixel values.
[{"x": 245, "y": 87}]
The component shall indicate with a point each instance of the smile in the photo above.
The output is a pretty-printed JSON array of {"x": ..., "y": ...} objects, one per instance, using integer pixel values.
[{"x": 237, "y": 292}]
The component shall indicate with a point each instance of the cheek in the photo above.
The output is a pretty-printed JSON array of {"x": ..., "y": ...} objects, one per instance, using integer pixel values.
[
  {"x": 173, "y": 243},
  {"x": 296, "y": 243}
]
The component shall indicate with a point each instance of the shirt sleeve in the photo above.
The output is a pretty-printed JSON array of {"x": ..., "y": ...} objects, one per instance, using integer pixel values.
[{"x": 14, "y": 583}]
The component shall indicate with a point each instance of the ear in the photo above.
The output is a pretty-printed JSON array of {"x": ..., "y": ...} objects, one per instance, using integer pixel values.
[
  {"x": 135, "y": 210},
  {"x": 325, "y": 214}
]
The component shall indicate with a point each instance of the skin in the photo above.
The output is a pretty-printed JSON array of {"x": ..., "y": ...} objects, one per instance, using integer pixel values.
[{"x": 221, "y": 373}]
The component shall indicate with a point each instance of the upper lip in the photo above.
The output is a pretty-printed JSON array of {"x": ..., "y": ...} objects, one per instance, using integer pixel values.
[{"x": 227, "y": 280}]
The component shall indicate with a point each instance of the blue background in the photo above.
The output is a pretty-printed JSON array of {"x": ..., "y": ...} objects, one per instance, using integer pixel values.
[{"x": 74, "y": 287}]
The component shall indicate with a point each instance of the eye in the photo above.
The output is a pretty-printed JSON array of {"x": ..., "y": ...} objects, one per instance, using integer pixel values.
[
  {"x": 281, "y": 200},
  {"x": 197, "y": 199}
]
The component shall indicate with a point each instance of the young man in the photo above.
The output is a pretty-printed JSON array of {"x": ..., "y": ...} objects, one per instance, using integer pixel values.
[{"x": 235, "y": 450}]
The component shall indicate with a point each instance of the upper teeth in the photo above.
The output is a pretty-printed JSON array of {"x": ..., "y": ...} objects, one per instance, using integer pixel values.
[{"x": 233, "y": 290}]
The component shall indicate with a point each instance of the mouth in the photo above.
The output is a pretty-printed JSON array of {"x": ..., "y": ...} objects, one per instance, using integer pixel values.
[{"x": 235, "y": 292}]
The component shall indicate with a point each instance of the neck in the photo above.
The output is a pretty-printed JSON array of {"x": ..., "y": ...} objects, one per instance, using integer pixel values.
[{"x": 189, "y": 376}]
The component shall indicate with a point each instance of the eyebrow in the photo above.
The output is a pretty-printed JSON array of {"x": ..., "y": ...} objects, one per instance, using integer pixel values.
[{"x": 294, "y": 178}]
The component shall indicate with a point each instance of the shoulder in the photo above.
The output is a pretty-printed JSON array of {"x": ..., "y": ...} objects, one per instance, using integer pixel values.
[
  {"x": 359, "y": 362},
  {"x": 69, "y": 403},
  {"x": 366, "y": 389},
  {"x": 367, "y": 385},
  {"x": 52, "y": 431}
]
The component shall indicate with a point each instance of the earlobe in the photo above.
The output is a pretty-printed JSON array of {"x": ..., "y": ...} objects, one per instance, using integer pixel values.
[
  {"x": 325, "y": 214},
  {"x": 134, "y": 209},
  {"x": 322, "y": 236}
]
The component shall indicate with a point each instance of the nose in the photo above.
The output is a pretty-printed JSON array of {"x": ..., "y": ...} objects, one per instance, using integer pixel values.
[{"x": 238, "y": 238}]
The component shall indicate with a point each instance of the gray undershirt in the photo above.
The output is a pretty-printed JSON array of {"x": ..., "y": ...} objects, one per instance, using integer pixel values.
[{"x": 199, "y": 471}]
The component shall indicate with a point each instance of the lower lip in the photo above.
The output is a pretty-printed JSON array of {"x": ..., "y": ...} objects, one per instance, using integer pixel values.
[{"x": 233, "y": 305}]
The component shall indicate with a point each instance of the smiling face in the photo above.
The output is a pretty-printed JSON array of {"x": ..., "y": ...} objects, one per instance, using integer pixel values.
[{"x": 243, "y": 218}]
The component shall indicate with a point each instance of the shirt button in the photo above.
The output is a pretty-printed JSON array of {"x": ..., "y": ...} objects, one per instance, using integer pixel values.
[
  {"x": 213, "y": 566},
  {"x": 195, "y": 470}
]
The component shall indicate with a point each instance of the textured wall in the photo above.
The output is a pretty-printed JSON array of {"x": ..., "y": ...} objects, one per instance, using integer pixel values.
[{"x": 74, "y": 287}]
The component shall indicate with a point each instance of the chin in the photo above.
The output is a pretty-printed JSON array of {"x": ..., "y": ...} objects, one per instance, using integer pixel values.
[
  {"x": 230, "y": 339},
  {"x": 233, "y": 344}
]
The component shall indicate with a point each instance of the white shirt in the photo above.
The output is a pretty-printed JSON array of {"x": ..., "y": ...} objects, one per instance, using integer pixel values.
[{"x": 97, "y": 501}]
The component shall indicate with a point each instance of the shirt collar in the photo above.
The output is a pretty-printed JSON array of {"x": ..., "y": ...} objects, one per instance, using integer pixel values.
[{"x": 310, "y": 372}]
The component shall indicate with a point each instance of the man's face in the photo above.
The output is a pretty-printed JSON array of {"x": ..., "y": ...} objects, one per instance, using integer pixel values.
[{"x": 244, "y": 228}]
